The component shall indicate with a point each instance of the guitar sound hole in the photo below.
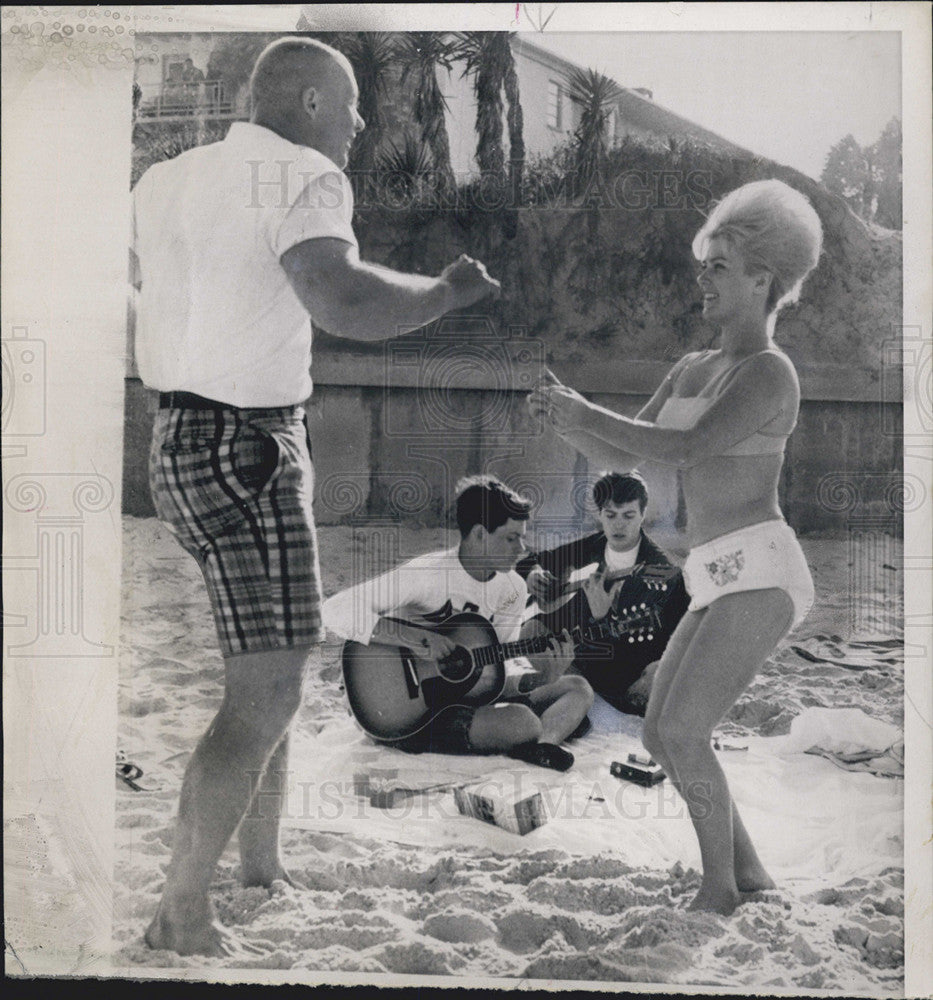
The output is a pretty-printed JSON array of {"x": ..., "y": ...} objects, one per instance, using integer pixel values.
[{"x": 457, "y": 666}]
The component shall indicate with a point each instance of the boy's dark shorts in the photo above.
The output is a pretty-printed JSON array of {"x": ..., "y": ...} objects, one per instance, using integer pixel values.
[{"x": 450, "y": 731}]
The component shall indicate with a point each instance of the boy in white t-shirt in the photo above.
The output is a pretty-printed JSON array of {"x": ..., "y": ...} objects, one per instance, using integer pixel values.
[{"x": 540, "y": 706}]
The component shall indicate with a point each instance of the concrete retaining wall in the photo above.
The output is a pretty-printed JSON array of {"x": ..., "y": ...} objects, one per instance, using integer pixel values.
[{"x": 390, "y": 442}]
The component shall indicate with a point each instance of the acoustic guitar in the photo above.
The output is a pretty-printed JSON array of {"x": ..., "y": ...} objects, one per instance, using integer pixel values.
[{"x": 393, "y": 693}]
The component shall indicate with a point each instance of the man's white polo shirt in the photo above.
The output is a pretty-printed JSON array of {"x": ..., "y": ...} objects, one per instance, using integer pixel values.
[{"x": 217, "y": 315}]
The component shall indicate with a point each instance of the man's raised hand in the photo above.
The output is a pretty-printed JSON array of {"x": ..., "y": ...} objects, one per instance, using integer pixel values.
[{"x": 468, "y": 281}]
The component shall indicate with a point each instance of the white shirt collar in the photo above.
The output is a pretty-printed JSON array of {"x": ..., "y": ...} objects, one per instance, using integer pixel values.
[{"x": 251, "y": 133}]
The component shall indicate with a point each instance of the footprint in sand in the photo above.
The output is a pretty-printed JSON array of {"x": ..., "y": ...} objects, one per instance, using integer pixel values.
[
  {"x": 417, "y": 959},
  {"x": 525, "y": 931},
  {"x": 459, "y": 927}
]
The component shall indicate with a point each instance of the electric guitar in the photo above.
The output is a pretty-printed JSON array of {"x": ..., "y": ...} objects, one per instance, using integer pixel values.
[
  {"x": 654, "y": 578},
  {"x": 393, "y": 693}
]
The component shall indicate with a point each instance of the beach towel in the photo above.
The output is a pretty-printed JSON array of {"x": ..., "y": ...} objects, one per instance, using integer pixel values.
[
  {"x": 848, "y": 738},
  {"x": 810, "y": 818}
]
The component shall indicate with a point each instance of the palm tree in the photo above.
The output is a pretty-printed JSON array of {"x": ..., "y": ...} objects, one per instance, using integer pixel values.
[
  {"x": 515, "y": 121},
  {"x": 420, "y": 53},
  {"x": 371, "y": 54},
  {"x": 488, "y": 56},
  {"x": 476, "y": 49},
  {"x": 596, "y": 95}
]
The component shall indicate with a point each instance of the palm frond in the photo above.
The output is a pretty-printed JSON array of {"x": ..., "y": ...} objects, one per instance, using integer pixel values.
[
  {"x": 595, "y": 94},
  {"x": 417, "y": 49},
  {"x": 420, "y": 53},
  {"x": 590, "y": 88},
  {"x": 412, "y": 159},
  {"x": 371, "y": 54}
]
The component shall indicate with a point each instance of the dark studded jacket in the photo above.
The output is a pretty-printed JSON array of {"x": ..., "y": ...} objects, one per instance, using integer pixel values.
[{"x": 612, "y": 667}]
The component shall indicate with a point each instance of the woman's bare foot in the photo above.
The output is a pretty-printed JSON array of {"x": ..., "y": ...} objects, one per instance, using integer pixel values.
[
  {"x": 255, "y": 876},
  {"x": 757, "y": 886},
  {"x": 716, "y": 899},
  {"x": 754, "y": 880}
]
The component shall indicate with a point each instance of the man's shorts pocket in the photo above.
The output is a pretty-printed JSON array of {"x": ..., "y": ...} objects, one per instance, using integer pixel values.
[
  {"x": 189, "y": 444},
  {"x": 254, "y": 457}
]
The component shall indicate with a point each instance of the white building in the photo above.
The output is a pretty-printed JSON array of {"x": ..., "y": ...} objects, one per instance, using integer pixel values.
[
  {"x": 549, "y": 116},
  {"x": 162, "y": 62}
]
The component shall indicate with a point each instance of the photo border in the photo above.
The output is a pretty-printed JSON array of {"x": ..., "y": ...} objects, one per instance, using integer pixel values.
[{"x": 65, "y": 225}]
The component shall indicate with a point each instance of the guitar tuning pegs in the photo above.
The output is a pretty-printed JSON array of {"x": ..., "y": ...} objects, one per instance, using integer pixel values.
[
  {"x": 631, "y": 638},
  {"x": 641, "y": 638},
  {"x": 643, "y": 605}
]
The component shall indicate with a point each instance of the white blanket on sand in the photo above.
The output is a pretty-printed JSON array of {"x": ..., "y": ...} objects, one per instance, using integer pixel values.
[{"x": 810, "y": 819}]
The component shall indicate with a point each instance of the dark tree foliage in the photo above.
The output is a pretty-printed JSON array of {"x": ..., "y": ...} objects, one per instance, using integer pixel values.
[{"x": 869, "y": 180}]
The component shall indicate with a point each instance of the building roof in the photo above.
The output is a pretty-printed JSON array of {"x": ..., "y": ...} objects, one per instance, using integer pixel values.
[{"x": 635, "y": 108}]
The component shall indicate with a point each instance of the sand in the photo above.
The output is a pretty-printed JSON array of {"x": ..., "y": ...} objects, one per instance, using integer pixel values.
[{"x": 599, "y": 892}]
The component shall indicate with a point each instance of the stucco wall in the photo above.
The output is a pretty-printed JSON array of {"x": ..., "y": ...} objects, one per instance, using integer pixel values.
[{"x": 396, "y": 453}]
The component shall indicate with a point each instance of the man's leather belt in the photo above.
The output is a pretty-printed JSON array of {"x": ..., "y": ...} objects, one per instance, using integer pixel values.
[
  {"x": 192, "y": 401},
  {"x": 189, "y": 401}
]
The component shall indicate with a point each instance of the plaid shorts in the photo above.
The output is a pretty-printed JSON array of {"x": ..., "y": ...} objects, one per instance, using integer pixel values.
[{"x": 235, "y": 488}]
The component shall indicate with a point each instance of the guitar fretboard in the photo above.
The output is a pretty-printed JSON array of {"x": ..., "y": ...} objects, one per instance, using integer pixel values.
[{"x": 487, "y": 655}]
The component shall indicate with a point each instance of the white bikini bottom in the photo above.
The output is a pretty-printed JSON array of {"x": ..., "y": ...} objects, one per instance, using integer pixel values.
[{"x": 756, "y": 557}]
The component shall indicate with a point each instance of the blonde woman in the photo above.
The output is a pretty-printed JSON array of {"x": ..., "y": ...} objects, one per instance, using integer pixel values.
[{"x": 723, "y": 416}]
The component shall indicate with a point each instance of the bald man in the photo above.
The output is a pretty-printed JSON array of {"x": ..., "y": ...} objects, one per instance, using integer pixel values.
[{"x": 237, "y": 245}]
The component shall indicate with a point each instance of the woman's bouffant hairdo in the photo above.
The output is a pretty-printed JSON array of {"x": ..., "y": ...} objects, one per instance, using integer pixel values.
[{"x": 775, "y": 228}]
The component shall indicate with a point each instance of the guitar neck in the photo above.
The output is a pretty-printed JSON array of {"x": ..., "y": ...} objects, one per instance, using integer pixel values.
[
  {"x": 608, "y": 580},
  {"x": 653, "y": 577},
  {"x": 590, "y": 633}
]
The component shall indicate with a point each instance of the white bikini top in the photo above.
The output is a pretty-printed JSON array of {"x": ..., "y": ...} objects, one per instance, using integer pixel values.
[{"x": 682, "y": 413}]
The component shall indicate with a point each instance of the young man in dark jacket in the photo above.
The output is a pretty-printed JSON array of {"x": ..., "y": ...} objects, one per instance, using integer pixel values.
[{"x": 628, "y": 569}]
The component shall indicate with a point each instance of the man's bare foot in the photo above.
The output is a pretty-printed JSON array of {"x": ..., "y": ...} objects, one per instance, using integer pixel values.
[
  {"x": 716, "y": 899},
  {"x": 190, "y": 934}
]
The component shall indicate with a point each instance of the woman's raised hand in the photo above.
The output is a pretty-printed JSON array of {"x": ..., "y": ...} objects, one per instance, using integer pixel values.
[
  {"x": 560, "y": 405},
  {"x": 566, "y": 409},
  {"x": 538, "y": 400}
]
